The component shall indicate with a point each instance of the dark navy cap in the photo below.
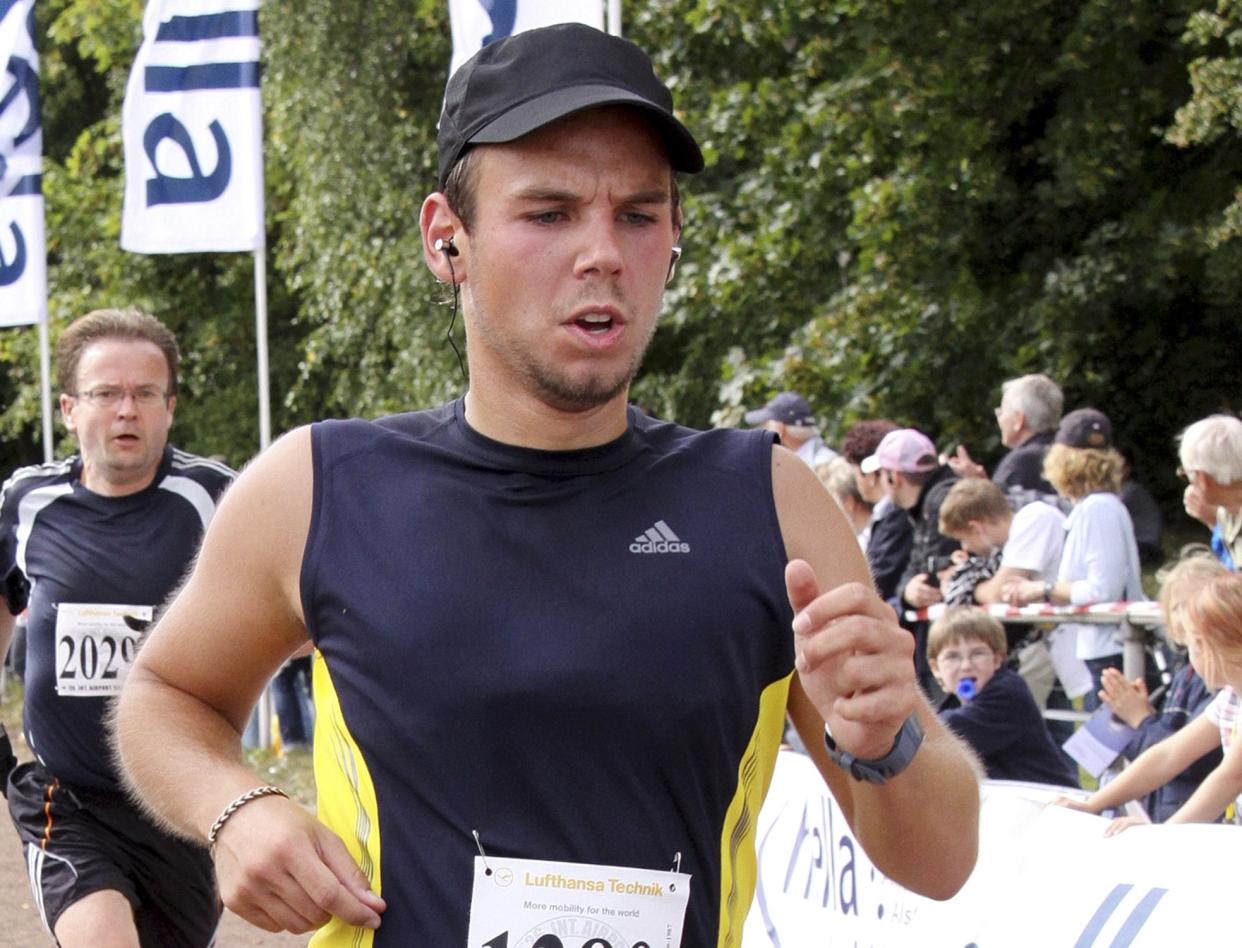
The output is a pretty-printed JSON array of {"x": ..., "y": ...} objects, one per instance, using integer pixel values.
[
  {"x": 528, "y": 80},
  {"x": 1085, "y": 428},
  {"x": 789, "y": 408}
]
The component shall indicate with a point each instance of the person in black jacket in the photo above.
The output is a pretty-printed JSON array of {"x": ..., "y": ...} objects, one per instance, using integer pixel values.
[
  {"x": 891, "y": 532},
  {"x": 917, "y": 482},
  {"x": 1027, "y": 416}
]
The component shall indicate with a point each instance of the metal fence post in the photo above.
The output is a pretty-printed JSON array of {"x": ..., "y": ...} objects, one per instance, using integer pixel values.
[{"x": 1134, "y": 637}]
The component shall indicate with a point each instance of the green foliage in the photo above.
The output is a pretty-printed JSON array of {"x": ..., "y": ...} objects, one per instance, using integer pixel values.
[
  {"x": 908, "y": 203},
  {"x": 905, "y": 203},
  {"x": 351, "y": 155}
]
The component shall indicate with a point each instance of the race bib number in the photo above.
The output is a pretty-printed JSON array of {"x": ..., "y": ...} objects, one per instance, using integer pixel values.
[
  {"x": 528, "y": 903},
  {"x": 95, "y": 646}
]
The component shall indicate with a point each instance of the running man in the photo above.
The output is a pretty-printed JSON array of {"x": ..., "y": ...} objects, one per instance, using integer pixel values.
[
  {"x": 540, "y": 616},
  {"x": 93, "y": 544}
]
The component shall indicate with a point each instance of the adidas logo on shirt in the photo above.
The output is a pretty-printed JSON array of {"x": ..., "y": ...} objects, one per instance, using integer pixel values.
[{"x": 658, "y": 539}]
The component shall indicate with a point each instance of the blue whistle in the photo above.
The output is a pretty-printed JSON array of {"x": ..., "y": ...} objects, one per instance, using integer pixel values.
[{"x": 966, "y": 689}]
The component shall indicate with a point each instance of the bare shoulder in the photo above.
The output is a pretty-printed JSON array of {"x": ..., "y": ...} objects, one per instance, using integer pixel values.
[
  {"x": 812, "y": 525},
  {"x": 239, "y": 614},
  {"x": 263, "y": 522}
]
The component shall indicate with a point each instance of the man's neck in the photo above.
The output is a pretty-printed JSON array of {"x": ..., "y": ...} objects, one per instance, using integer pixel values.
[
  {"x": 106, "y": 486},
  {"x": 528, "y": 422}
]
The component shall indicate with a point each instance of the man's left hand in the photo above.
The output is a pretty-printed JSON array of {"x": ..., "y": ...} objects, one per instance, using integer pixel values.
[{"x": 854, "y": 661}]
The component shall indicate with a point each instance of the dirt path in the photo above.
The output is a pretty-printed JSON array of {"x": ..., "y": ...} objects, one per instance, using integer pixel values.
[{"x": 21, "y": 927}]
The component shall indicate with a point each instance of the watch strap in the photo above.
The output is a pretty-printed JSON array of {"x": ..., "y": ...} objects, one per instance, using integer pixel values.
[{"x": 878, "y": 770}]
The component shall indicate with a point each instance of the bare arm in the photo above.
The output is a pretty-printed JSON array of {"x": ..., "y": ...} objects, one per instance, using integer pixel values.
[
  {"x": 1220, "y": 788},
  {"x": 1155, "y": 767},
  {"x": 855, "y": 671},
  {"x": 179, "y": 719},
  {"x": 991, "y": 590}
]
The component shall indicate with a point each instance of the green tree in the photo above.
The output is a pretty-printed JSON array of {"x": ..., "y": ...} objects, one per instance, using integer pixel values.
[{"x": 905, "y": 203}]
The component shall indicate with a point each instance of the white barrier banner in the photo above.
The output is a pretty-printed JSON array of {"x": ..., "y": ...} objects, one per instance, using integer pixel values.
[
  {"x": 23, "y": 254},
  {"x": 193, "y": 130},
  {"x": 476, "y": 23},
  {"x": 1045, "y": 876}
]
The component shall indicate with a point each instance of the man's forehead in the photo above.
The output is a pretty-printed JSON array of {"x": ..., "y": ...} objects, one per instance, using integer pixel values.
[
  {"x": 622, "y": 128},
  {"x": 103, "y": 354}
]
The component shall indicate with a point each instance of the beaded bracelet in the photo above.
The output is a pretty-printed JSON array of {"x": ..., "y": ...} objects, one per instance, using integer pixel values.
[{"x": 237, "y": 804}]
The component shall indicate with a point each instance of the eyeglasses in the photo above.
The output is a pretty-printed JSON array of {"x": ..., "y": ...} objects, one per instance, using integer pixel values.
[
  {"x": 110, "y": 396},
  {"x": 976, "y": 656}
]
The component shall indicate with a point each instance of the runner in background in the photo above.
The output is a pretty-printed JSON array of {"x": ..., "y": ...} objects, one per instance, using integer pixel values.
[{"x": 93, "y": 544}]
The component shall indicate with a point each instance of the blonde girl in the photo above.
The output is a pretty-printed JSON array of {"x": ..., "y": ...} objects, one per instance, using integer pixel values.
[{"x": 1208, "y": 618}]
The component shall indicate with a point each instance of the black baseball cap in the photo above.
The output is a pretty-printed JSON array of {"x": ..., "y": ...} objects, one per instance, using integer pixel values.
[
  {"x": 1085, "y": 428},
  {"x": 789, "y": 408},
  {"x": 528, "y": 80}
]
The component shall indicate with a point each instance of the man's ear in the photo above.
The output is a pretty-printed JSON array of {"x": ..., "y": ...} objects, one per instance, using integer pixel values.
[
  {"x": 443, "y": 236},
  {"x": 67, "y": 404}
]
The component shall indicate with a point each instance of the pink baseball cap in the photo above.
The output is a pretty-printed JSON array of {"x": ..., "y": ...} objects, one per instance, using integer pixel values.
[{"x": 905, "y": 450}]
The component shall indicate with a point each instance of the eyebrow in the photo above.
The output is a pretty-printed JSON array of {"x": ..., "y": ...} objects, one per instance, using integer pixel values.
[{"x": 556, "y": 196}]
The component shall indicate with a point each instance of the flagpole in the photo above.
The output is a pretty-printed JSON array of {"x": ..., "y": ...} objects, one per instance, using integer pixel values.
[
  {"x": 260, "y": 324},
  {"x": 614, "y": 17},
  {"x": 265, "y": 431},
  {"x": 45, "y": 388}
]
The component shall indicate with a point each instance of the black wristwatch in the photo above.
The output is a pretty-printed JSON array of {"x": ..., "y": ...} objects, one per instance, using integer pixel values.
[{"x": 890, "y": 765}]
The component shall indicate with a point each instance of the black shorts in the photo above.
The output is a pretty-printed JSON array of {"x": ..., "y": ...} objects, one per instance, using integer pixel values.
[{"x": 79, "y": 841}]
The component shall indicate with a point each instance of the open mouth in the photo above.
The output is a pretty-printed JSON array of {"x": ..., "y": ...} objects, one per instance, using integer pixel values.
[{"x": 596, "y": 324}]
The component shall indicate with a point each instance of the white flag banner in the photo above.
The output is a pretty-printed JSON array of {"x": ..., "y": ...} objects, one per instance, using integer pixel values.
[
  {"x": 23, "y": 255},
  {"x": 193, "y": 130},
  {"x": 476, "y": 23}
]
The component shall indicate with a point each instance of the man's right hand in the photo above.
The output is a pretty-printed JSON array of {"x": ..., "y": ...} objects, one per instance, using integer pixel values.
[
  {"x": 282, "y": 870},
  {"x": 963, "y": 465},
  {"x": 920, "y": 594},
  {"x": 1197, "y": 507}
]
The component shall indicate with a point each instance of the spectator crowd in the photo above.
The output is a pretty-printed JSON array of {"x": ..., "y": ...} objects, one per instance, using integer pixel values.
[{"x": 1060, "y": 521}]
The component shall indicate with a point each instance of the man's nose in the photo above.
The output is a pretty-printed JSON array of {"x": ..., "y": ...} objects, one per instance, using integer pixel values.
[{"x": 601, "y": 250}]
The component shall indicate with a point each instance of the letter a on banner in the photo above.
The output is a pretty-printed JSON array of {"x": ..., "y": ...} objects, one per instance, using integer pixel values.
[
  {"x": 476, "y": 23},
  {"x": 23, "y": 257},
  {"x": 193, "y": 130}
]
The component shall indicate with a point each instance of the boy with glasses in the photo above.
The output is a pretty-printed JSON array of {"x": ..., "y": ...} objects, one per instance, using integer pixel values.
[{"x": 988, "y": 704}]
